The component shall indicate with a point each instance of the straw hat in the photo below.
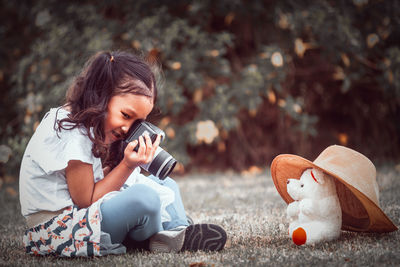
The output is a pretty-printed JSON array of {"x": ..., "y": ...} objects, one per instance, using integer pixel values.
[{"x": 355, "y": 179}]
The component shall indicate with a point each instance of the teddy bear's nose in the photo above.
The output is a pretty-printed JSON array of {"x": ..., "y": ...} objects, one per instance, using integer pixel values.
[{"x": 288, "y": 181}]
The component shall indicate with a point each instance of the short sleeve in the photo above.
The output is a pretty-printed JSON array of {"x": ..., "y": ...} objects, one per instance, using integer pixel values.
[{"x": 52, "y": 149}]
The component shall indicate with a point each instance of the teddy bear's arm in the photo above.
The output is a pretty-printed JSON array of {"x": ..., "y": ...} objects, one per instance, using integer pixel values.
[{"x": 292, "y": 209}]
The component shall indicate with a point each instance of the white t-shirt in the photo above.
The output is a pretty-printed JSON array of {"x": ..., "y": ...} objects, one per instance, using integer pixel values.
[{"x": 42, "y": 181}]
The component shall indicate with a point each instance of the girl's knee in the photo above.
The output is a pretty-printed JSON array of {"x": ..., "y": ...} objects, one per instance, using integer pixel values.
[{"x": 145, "y": 198}]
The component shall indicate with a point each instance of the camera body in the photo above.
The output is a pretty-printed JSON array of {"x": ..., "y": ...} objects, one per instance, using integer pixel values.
[
  {"x": 163, "y": 163},
  {"x": 141, "y": 127}
]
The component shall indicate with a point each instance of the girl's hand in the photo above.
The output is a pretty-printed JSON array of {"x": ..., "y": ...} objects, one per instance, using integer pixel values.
[{"x": 145, "y": 153}]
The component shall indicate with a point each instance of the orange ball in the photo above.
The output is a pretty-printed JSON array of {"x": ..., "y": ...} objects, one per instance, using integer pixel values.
[{"x": 299, "y": 236}]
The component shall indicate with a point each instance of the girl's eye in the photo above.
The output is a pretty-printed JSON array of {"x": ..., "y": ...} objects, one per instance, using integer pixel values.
[{"x": 126, "y": 116}]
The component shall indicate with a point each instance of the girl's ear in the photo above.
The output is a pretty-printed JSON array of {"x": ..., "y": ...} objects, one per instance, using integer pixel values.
[{"x": 318, "y": 176}]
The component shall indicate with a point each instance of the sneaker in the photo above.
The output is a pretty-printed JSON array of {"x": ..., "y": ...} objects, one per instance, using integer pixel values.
[{"x": 207, "y": 237}]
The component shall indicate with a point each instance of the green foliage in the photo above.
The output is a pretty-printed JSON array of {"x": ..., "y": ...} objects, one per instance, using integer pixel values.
[{"x": 273, "y": 77}]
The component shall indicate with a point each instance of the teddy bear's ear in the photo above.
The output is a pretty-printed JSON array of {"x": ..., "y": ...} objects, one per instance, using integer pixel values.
[{"x": 318, "y": 176}]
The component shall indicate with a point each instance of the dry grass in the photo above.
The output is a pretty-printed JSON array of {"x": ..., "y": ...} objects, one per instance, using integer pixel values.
[{"x": 252, "y": 212}]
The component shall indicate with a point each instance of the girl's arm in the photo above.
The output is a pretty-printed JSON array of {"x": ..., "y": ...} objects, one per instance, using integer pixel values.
[{"x": 80, "y": 177}]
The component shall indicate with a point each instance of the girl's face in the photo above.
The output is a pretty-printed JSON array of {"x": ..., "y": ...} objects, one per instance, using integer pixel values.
[{"x": 122, "y": 111}]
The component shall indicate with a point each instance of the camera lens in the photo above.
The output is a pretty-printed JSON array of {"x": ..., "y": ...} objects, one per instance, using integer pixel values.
[{"x": 161, "y": 165}]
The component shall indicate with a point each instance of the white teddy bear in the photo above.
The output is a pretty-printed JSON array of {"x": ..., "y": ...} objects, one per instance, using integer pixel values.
[{"x": 315, "y": 214}]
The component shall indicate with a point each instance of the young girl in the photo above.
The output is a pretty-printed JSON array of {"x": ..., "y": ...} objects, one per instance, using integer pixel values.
[{"x": 80, "y": 194}]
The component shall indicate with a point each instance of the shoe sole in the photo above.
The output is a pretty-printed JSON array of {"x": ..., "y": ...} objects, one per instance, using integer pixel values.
[{"x": 207, "y": 237}]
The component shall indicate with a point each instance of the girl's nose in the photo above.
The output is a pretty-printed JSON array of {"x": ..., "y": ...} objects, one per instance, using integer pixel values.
[{"x": 125, "y": 129}]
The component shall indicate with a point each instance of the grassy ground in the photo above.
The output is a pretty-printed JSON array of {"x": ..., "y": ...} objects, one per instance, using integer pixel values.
[{"x": 252, "y": 212}]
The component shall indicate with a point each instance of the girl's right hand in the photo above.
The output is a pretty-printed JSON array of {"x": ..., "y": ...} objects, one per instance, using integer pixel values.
[{"x": 145, "y": 153}]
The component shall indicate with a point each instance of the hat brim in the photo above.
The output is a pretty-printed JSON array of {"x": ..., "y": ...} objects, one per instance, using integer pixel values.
[{"x": 288, "y": 166}]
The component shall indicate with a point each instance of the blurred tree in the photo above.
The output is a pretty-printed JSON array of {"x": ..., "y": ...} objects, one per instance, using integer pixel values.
[{"x": 242, "y": 81}]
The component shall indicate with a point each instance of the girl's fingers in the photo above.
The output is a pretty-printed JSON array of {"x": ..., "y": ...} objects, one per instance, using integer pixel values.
[
  {"x": 150, "y": 149},
  {"x": 131, "y": 145},
  {"x": 157, "y": 142},
  {"x": 149, "y": 144},
  {"x": 142, "y": 147},
  {"x": 146, "y": 150},
  {"x": 155, "y": 146}
]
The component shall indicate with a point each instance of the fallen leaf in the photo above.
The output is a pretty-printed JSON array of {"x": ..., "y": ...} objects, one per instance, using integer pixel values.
[{"x": 198, "y": 264}]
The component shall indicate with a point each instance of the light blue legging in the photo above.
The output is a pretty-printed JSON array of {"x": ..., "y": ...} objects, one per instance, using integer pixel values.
[{"x": 135, "y": 212}]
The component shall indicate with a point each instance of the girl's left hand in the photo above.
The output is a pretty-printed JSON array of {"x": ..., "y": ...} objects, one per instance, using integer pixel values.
[{"x": 144, "y": 154}]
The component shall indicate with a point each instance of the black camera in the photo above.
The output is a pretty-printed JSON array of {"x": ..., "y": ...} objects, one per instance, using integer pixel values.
[{"x": 163, "y": 163}]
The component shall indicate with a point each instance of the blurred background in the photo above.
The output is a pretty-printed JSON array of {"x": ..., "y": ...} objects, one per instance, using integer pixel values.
[{"x": 241, "y": 81}]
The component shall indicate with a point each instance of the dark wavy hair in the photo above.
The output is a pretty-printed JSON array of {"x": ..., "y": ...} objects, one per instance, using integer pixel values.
[{"x": 105, "y": 75}]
